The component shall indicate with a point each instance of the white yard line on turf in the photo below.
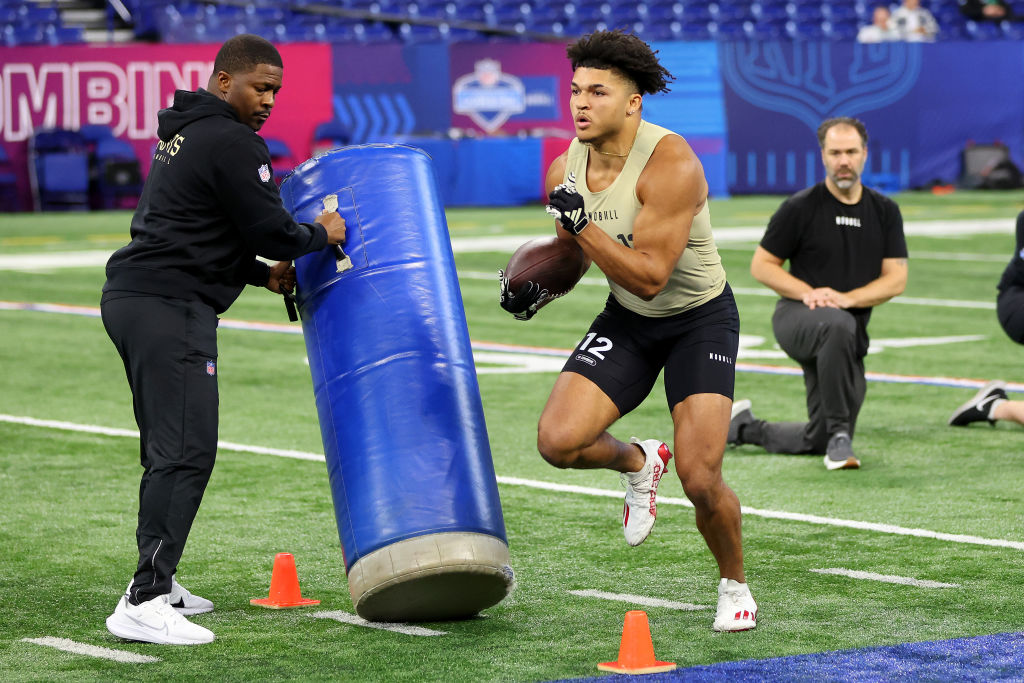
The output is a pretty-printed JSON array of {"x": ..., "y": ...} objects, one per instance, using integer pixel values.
[
  {"x": 762, "y": 291},
  {"x": 640, "y": 600},
  {"x": 885, "y": 578},
  {"x": 50, "y": 260},
  {"x": 355, "y": 620},
  {"x": 489, "y": 352},
  {"x": 92, "y": 650},
  {"x": 567, "y": 488},
  {"x": 754, "y": 233}
]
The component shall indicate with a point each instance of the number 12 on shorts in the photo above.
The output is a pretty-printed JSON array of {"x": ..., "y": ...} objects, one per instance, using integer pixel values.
[{"x": 600, "y": 347}]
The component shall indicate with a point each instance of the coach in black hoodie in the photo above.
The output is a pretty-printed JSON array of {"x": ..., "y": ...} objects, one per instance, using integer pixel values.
[{"x": 209, "y": 207}]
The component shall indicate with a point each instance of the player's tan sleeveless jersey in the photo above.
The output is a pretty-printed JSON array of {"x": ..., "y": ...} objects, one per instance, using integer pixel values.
[{"x": 698, "y": 276}]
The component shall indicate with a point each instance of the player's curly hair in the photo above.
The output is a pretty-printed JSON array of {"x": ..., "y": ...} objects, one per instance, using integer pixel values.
[
  {"x": 243, "y": 53},
  {"x": 624, "y": 53}
]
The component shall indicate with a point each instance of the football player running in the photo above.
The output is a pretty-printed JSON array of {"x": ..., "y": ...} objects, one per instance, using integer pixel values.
[{"x": 634, "y": 197}]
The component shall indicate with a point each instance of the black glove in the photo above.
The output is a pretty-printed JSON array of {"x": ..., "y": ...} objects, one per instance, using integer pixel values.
[
  {"x": 566, "y": 204},
  {"x": 524, "y": 304}
]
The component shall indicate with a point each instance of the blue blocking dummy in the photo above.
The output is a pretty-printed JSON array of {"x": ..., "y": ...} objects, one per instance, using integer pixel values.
[{"x": 415, "y": 494}]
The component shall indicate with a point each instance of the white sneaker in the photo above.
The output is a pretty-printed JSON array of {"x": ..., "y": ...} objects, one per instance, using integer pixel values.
[
  {"x": 640, "y": 510},
  {"x": 182, "y": 599},
  {"x": 186, "y": 603},
  {"x": 155, "y": 621},
  {"x": 737, "y": 610}
]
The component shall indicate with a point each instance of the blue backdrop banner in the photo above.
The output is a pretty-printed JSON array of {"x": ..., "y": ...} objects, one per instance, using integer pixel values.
[{"x": 921, "y": 103}]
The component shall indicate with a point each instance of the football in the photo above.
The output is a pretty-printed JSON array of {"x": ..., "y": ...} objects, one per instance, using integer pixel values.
[{"x": 555, "y": 264}]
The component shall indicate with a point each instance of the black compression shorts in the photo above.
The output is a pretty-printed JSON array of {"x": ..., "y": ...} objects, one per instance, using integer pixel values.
[{"x": 623, "y": 352}]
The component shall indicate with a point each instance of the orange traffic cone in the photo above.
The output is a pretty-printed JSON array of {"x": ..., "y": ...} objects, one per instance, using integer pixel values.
[
  {"x": 636, "y": 653},
  {"x": 284, "y": 586}
]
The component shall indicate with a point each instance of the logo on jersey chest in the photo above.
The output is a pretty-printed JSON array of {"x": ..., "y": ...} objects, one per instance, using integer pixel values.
[
  {"x": 848, "y": 221},
  {"x": 604, "y": 215}
]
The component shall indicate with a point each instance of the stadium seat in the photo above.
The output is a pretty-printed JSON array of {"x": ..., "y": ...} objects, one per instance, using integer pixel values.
[
  {"x": 63, "y": 35},
  {"x": 59, "y": 170},
  {"x": 840, "y": 30},
  {"x": 691, "y": 13},
  {"x": 694, "y": 30},
  {"x": 772, "y": 13},
  {"x": 731, "y": 12},
  {"x": 118, "y": 177},
  {"x": 841, "y": 13},
  {"x": 420, "y": 33},
  {"x": 624, "y": 15},
  {"x": 729, "y": 31},
  {"x": 983, "y": 30},
  {"x": 17, "y": 35},
  {"x": 1012, "y": 30},
  {"x": 330, "y": 135},
  {"x": 373, "y": 32},
  {"x": 659, "y": 10},
  {"x": 281, "y": 158},
  {"x": 806, "y": 14},
  {"x": 769, "y": 30},
  {"x": 671, "y": 30},
  {"x": 808, "y": 30}
]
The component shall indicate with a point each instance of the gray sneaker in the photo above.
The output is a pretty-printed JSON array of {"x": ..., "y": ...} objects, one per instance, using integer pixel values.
[
  {"x": 741, "y": 415},
  {"x": 839, "y": 453}
]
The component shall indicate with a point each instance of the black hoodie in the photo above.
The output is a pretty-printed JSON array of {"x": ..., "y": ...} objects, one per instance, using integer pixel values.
[{"x": 209, "y": 206}]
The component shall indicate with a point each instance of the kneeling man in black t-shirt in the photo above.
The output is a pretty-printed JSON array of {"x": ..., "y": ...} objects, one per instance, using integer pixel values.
[{"x": 847, "y": 253}]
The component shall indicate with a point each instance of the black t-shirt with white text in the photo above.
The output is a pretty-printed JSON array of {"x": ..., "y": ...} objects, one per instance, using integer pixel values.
[{"x": 832, "y": 244}]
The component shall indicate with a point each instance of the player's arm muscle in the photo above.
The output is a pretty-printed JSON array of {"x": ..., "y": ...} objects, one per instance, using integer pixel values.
[
  {"x": 672, "y": 190},
  {"x": 556, "y": 173}
]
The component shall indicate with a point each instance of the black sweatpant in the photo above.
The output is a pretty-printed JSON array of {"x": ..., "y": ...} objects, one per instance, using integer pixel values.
[
  {"x": 169, "y": 349},
  {"x": 1010, "y": 309},
  {"x": 830, "y": 349}
]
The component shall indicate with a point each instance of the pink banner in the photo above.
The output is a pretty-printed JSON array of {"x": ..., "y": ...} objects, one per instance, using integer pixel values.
[{"x": 125, "y": 86}]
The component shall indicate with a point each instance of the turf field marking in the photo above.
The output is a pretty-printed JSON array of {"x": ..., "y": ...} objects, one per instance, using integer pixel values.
[
  {"x": 55, "y": 259},
  {"x": 281, "y": 328},
  {"x": 754, "y": 233},
  {"x": 355, "y": 620},
  {"x": 563, "y": 488},
  {"x": 765, "y": 292},
  {"x": 640, "y": 600},
  {"x": 885, "y": 578},
  {"x": 92, "y": 650}
]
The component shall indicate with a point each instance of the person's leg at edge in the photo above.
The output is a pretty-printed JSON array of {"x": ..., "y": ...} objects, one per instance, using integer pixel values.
[
  {"x": 176, "y": 399},
  {"x": 572, "y": 430},
  {"x": 701, "y": 423}
]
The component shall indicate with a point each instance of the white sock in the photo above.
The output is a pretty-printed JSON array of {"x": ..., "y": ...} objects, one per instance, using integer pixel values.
[{"x": 992, "y": 408}]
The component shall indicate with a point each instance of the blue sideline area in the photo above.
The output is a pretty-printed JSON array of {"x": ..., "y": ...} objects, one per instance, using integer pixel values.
[{"x": 985, "y": 658}]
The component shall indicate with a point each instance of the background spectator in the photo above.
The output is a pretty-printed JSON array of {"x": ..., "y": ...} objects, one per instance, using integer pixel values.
[
  {"x": 914, "y": 23},
  {"x": 879, "y": 30},
  {"x": 980, "y": 10}
]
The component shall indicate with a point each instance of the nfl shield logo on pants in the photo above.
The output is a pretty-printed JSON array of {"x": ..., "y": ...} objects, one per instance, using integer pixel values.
[
  {"x": 264, "y": 172},
  {"x": 211, "y": 368}
]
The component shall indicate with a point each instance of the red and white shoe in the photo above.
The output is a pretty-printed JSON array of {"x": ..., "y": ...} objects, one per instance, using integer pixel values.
[
  {"x": 641, "y": 508},
  {"x": 737, "y": 610}
]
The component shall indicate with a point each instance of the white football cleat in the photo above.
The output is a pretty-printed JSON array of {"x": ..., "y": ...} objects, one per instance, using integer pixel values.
[
  {"x": 641, "y": 509},
  {"x": 185, "y": 602},
  {"x": 155, "y": 621},
  {"x": 737, "y": 610}
]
